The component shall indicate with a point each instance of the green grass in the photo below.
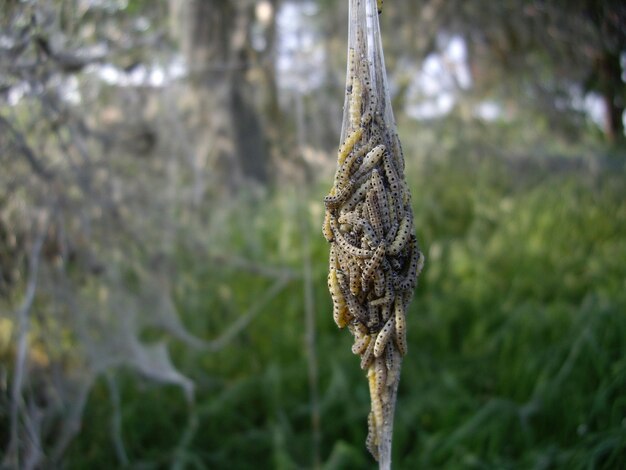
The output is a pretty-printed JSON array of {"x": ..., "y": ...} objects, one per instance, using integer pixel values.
[{"x": 517, "y": 335}]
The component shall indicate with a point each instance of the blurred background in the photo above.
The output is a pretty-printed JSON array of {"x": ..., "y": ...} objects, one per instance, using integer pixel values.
[{"x": 163, "y": 298}]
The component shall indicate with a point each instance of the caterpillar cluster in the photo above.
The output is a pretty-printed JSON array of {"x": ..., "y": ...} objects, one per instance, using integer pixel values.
[{"x": 374, "y": 256}]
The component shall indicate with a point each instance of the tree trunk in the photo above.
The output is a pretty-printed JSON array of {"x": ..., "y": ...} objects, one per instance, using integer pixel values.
[
  {"x": 228, "y": 145},
  {"x": 611, "y": 84}
]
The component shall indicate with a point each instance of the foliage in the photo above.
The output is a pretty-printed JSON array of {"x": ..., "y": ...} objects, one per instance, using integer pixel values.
[{"x": 516, "y": 358}]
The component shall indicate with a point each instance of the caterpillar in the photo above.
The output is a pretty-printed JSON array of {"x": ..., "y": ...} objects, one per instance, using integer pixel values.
[
  {"x": 348, "y": 145},
  {"x": 383, "y": 337},
  {"x": 375, "y": 259}
]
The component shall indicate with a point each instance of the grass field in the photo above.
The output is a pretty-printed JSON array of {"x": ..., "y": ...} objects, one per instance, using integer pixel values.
[{"x": 517, "y": 334}]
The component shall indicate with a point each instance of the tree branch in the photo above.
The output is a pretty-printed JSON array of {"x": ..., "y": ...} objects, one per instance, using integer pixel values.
[
  {"x": 23, "y": 319},
  {"x": 24, "y": 149}
]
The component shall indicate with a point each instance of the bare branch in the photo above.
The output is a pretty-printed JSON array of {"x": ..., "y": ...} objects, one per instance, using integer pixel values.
[
  {"x": 23, "y": 318},
  {"x": 69, "y": 62},
  {"x": 242, "y": 322},
  {"x": 24, "y": 149},
  {"x": 265, "y": 270},
  {"x": 116, "y": 420}
]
